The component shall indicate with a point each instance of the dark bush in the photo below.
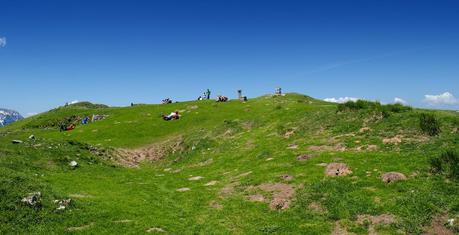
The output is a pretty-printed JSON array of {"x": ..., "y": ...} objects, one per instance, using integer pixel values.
[
  {"x": 429, "y": 124},
  {"x": 385, "y": 110},
  {"x": 447, "y": 163},
  {"x": 397, "y": 108}
]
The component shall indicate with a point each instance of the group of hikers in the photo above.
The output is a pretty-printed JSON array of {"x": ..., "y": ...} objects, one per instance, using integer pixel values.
[
  {"x": 71, "y": 122},
  {"x": 206, "y": 96}
]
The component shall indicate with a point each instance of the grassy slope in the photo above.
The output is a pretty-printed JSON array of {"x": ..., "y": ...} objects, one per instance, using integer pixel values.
[{"x": 230, "y": 139}]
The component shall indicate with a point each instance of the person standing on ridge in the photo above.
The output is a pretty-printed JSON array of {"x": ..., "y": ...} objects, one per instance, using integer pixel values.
[{"x": 208, "y": 94}]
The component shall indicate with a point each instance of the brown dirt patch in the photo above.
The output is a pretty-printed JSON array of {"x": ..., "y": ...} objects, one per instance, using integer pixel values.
[
  {"x": 438, "y": 226},
  {"x": 394, "y": 140},
  {"x": 228, "y": 189},
  {"x": 364, "y": 129},
  {"x": 376, "y": 219},
  {"x": 304, "y": 157},
  {"x": 338, "y": 229},
  {"x": 384, "y": 219},
  {"x": 391, "y": 177},
  {"x": 153, "y": 152},
  {"x": 256, "y": 198},
  {"x": 292, "y": 146},
  {"x": 315, "y": 206},
  {"x": 370, "y": 147},
  {"x": 286, "y": 177},
  {"x": 337, "y": 169},
  {"x": 329, "y": 148},
  {"x": 289, "y": 133},
  {"x": 281, "y": 195},
  {"x": 215, "y": 205}
]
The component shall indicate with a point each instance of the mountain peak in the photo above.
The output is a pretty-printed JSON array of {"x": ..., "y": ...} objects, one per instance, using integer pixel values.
[{"x": 8, "y": 116}]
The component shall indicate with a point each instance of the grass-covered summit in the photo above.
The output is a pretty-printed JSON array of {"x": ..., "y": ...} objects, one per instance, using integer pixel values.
[{"x": 275, "y": 164}]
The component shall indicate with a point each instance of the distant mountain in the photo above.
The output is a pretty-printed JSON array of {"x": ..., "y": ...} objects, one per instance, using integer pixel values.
[{"x": 9, "y": 116}]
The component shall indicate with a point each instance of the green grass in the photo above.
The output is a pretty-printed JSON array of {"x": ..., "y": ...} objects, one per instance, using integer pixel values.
[{"x": 221, "y": 141}]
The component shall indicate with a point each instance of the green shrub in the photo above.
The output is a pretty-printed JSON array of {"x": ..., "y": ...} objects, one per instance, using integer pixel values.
[
  {"x": 397, "y": 108},
  {"x": 429, "y": 124},
  {"x": 373, "y": 106},
  {"x": 447, "y": 163}
]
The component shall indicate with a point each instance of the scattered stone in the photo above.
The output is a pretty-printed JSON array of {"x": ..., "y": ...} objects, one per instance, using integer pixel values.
[
  {"x": 73, "y": 164},
  {"x": 157, "y": 230},
  {"x": 195, "y": 178},
  {"x": 62, "y": 204},
  {"x": 392, "y": 177},
  {"x": 304, "y": 157},
  {"x": 337, "y": 169},
  {"x": 292, "y": 146},
  {"x": 323, "y": 164},
  {"x": 269, "y": 159},
  {"x": 183, "y": 189},
  {"x": 167, "y": 169},
  {"x": 124, "y": 221},
  {"x": 287, "y": 177},
  {"x": 78, "y": 195},
  {"x": 71, "y": 229},
  {"x": 177, "y": 171},
  {"x": 17, "y": 141},
  {"x": 33, "y": 199},
  {"x": 31, "y": 137},
  {"x": 211, "y": 183},
  {"x": 394, "y": 140},
  {"x": 244, "y": 174}
]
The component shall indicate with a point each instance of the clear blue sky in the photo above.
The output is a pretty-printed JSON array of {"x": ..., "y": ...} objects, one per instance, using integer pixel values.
[{"x": 117, "y": 52}]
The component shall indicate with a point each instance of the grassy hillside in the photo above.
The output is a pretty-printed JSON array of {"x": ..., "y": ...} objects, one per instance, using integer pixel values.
[{"x": 230, "y": 168}]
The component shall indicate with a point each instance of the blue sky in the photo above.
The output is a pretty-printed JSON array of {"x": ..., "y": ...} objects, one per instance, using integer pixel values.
[{"x": 118, "y": 52}]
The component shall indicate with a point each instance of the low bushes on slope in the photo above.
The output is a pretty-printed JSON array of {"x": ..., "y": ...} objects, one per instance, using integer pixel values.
[
  {"x": 373, "y": 106},
  {"x": 447, "y": 163},
  {"x": 429, "y": 124}
]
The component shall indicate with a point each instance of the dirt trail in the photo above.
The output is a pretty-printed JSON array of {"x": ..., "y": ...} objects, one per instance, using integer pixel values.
[{"x": 153, "y": 152}]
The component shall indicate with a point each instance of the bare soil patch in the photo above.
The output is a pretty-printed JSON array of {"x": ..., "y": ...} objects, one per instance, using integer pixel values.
[
  {"x": 392, "y": 177},
  {"x": 153, "y": 152},
  {"x": 304, "y": 157},
  {"x": 337, "y": 169},
  {"x": 438, "y": 226},
  {"x": 286, "y": 177},
  {"x": 339, "y": 147},
  {"x": 394, "y": 140},
  {"x": 281, "y": 195},
  {"x": 338, "y": 229},
  {"x": 373, "y": 220},
  {"x": 256, "y": 198}
]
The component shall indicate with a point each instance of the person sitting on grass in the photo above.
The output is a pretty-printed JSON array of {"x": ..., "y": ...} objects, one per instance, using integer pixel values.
[
  {"x": 221, "y": 98},
  {"x": 173, "y": 116}
]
